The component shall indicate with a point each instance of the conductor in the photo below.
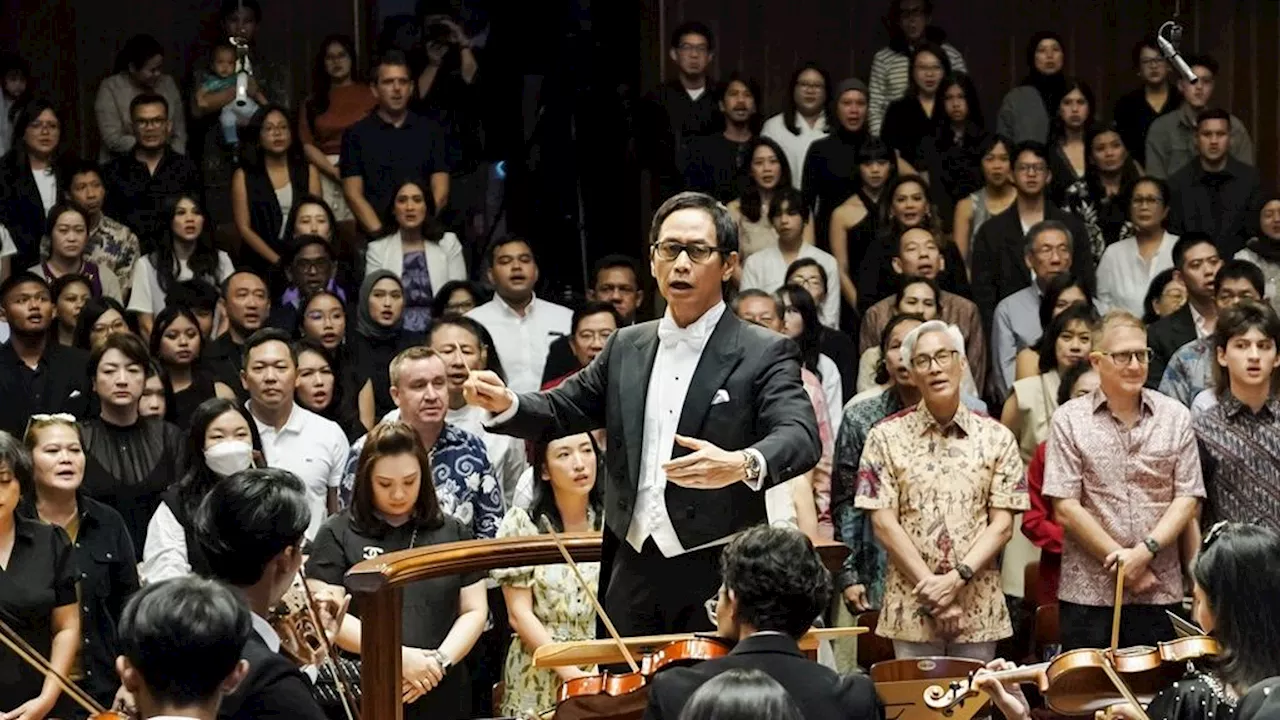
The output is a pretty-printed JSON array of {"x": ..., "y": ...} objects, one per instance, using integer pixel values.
[{"x": 703, "y": 412}]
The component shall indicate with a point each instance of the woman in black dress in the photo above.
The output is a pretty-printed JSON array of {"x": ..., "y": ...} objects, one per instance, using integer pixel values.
[
  {"x": 380, "y": 334},
  {"x": 176, "y": 343},
  {"x": 37, "y": 593},
  {"x": 323, "y": 320},
  {"x": 952, "y": 156},
  {"x": 918, "y": 114},
  {"x": 394, "y": 507}
]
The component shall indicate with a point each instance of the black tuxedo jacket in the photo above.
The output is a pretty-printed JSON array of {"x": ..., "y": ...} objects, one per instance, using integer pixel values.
[
  {"x": 763, "y": 406},
  {"x": 1164, "y": 337},
  {"x": 820, "y": 692},
  {"x": 274, "y": 689}
]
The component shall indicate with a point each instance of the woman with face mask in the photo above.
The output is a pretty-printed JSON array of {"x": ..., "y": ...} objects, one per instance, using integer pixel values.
[{"x": 223, "y": 440}]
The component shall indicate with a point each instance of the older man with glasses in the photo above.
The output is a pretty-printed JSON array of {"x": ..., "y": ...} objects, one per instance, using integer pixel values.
[
  {"x": 942, "y": 484},
  {"x": 1124, "y": 476}
]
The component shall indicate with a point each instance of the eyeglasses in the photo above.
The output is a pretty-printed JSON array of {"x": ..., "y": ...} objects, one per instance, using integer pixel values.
[
  {"x": 809, "y": 282},
  {"x": 1031, "y": 168},
  {"x": 150, "y": 122},
  {"x": 691, "y": 49},
  {"x": 41, "y": 125},
  {"x": 1140, "y": 200},
  {"x": 1124, "y": 358},
  {"x": 943, "y": 359},
  {"x": 310, "y": 264},
  {"x": 669, "y": 250},
  {"x": 66, "y": 418},
  {"x": 1046, "y": 251},
  {"x": 459, "y": 308}
]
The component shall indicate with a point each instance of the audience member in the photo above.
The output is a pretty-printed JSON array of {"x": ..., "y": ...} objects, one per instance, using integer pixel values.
[
  {"x": 766, "y": 173},
  {"x": 852, "y": 230},
  {"x": 830, "y": 173},
  {"x": 152, "y": 403},
  {"x": 457, "y": 297},
  {"x": 138, "y": 70},
  {"x": 337, "y": 101},
  {"x": 1196, "y": 262},
  {"x": 615, "y": 279},
  {"x": 1038, "y": 523},
  {"x": 1263, "y": 249},
  {"x": 1026, "y": 110},
  {"x": 131, "y": 460},
  {"x": 294, "y": 439},
  {"x": 144, "y": 183},
  {"x": 1002, "y": 247},
  {"x": 202, "y": 298},
  {"x": 1073, "y": 119},
  {"x": 272, "y": 173},
  {"x": 67, "y": 236},
  {"x": 908, "y": 206},
  {"x": 326, "y": 391},
  {"x": 719, "y": 164},
  {"x": 1165, "y": 296},
  {"x": 1171, "y": 139},
  {"x": 37, "y": 375},
  {"x": 29, "y": 177},
  {"x": 592, "y": 325},
  {"x": 70, "y": 293},
  {"x": 997, "y": 194},
  {"x": 103, "y": 556},
  {"x": 522, "y": 324},
  {"x": 99, "y": 318},
  {"x": 379, "y": 334},
  {"x": 940, "y": 600},
  {"x": 910, "y": 27},
  {"x": 684, "y": 107},
  {"x": 1116, "y": 514},
  {"x": 1238, "y": 437},
  {"x": 952, "y": 156},
  {"x": 800, "y": 323},
  {"x": 419, "y": 252},
  {"x": 809, "y": 274},
  {"x": 1099, "y": 197},
  {"x": 768, "y": 268},
  {"x": 806, "y": 119},
  {"x": 916, "y": 296},
  {"x": 1060, "y": 293},
  {"x": 390, "y": 146},
  {"x": 310, "y": 267},
  {"x": 111, "y": 245},
  {"x": 1129, "y": 266},
  {"x": 176, "y": 343},
  {"x": 1190, "y": 369},
  {"x": 14, "y": 74},
  {"x": 1215, "y": 193},
  {"x": 244, "y": 304},
  {"x": 1137, "y": 109},
  {"x": 917, "y": 115}
]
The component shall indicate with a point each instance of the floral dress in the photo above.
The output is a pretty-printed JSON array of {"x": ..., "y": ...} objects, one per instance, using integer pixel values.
[{"x": 562, "y": 607}]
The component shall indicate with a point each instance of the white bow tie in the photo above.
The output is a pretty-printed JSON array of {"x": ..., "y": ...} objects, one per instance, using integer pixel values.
[{"x": 695, "y": 336}]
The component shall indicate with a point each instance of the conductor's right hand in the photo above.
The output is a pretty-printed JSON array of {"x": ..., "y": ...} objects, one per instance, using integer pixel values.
[{"x": 486, "y": 390}]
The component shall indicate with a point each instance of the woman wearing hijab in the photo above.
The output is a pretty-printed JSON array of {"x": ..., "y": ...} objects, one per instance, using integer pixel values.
[
  {"x": 1026, "y": 110},
  {"x": 380, "y": 334}
]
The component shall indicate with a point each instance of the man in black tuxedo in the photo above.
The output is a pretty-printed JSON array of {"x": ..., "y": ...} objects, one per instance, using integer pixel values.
[
  {"x": 773, "y": 586},
  {"x": 37, "y": 374},
  {"x": 250, "y": 528},
  {"x": 703, "y": 412}
]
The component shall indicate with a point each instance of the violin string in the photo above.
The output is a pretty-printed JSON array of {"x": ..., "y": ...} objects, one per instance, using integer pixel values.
[{"x": 29, "y": 655}]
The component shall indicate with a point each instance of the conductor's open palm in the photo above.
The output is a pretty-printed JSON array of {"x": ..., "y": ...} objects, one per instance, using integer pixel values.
[{"x": 707, "y": 467}]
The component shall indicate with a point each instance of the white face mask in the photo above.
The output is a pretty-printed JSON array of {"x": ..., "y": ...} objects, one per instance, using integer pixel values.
[{"x": 229, "y": 457}]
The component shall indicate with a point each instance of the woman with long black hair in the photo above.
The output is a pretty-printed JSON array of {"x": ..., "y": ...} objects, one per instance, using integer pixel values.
[
  {"x": 29, "y": 179},
  {"x": 337, "y": 101},
  {"x": 1101, "y": 198},
  {"x": 1026, "y": 109},
  {"x": 768, "y": 171},
  {"x": 177, "y": 345},
  {"x": 1068, "y": 150},
  {"x": 952, "y": 156},
  {"x": 917, "y": 114},
  {"x": 806, "y": 118},
  {"x": 800, "y": 323}
]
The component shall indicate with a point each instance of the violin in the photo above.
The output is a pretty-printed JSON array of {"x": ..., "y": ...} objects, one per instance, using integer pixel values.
[
  {"x": 1080, "y": 682},
  {"x": 11, "y": 639},
  {"x": 305, "y": 640}
]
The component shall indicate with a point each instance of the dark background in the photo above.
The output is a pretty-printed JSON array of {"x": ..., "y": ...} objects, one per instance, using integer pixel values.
[{"x": 553, "y": 61}]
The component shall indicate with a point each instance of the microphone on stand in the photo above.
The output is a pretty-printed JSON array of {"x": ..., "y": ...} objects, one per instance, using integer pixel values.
[{"x": 1169, "y": 50}]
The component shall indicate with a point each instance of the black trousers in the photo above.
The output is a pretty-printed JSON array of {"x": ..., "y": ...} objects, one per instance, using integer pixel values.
[
  {"x": 1088, "y": 626},
  {"x": 647, "y": 593}
]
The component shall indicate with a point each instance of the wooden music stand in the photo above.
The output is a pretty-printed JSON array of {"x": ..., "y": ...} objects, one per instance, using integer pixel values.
[{"x": 378, "y": 586}]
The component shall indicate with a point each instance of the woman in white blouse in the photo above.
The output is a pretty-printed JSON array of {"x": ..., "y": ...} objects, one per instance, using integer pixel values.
[
  {"x": 806, "y": 119},
  {"x": 184, "y": 253},
  {"x": 419, "y": 252},
  {"x": 1128, "y": 266}
]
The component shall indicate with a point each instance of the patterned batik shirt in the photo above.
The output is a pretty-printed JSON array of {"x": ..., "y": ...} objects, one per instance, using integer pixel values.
[
  {"x": 1240, "y": 454},
  {"x": 941, "y": 482},
  {"x": 114, "y": 247},
  {"x": 1189, "y": 371}
]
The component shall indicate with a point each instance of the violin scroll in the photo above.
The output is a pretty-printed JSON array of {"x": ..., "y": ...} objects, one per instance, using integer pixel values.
[{"x": 946, "y": 700}]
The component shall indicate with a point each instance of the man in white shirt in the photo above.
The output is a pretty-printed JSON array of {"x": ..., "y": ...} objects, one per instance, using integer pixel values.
[
  {"x": 767, "y": 269},
  {"x": 523, "y": 326},
  {"x": 293, "y": 437},
  {"x": 691, "y": 442}
]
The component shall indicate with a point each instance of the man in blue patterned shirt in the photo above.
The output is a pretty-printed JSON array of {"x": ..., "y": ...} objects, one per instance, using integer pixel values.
[{"x": 460, "y": 470}]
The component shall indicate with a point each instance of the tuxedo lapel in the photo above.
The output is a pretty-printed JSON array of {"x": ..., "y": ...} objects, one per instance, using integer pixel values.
[
  {"x": 637, "y": 366},
  {"x": 719, "y": 358}
]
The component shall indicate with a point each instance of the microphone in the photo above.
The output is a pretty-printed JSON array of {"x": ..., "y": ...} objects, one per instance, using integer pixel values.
[{"x": 1170, "y": 52}]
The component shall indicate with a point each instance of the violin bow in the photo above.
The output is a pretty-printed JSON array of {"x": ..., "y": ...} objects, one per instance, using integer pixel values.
[
  {"x": 348, "y": 705},
  {"x": 11, "y": 639},
  {"x": 1123, "y": 687},
  {"x": 545, "y": 522},
  {"x": 1115, "y": 613}
]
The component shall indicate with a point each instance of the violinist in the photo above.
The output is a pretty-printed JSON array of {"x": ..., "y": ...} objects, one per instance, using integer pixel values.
[
  {"x": 1236, "y": 581},
  {"x": 250, "y": 529},
  {"x": 180, "y": 647},
  {"x": 773, "y": 587}
]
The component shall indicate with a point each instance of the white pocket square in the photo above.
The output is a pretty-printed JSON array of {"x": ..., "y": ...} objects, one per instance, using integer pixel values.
[
  {"x": 75, "y": 394},
  {"x": 722, "y": 396}
]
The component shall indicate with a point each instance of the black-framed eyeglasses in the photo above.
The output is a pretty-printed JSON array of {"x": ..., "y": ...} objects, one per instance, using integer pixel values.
[
  {"x": 1124, "y": 358},
  {"x": 669, "y": 250},
  {"x": 943, "y": 359}
]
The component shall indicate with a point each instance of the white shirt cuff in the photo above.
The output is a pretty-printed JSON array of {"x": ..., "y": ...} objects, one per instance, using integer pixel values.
[
  {"x": 755, "y": 483},
  {"x": 505, "y": 415}
]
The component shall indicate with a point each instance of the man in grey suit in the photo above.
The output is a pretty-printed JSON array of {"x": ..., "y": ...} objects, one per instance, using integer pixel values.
[{"x": 703, "y": 412}]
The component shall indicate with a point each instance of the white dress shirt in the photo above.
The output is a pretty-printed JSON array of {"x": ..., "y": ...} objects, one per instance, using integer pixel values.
[
  {"x": 767, "y": 270},
  {"x": 522, "y": 341},
  {"x": 313, "y": 448},
  {"x": 266, "y": 632},
  {"x": 1123, "y": 276},
  {"x": 795, "y": 147}
]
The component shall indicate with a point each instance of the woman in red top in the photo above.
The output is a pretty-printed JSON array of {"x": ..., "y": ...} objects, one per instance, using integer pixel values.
[
  {"x": 337, "y": 102},
  {"x": 1038, "y": 523}
]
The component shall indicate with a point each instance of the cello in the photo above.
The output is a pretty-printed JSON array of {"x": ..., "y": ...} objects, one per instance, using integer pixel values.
[{"x": 11, "y": 639}]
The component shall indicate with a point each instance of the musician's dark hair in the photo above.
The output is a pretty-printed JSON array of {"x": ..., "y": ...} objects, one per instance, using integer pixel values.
[
  {"x": 741, "y": 694},
  {"x": 248, "y": 519},
  {"x": 184, "y": 636},
  {"x": 777, "y": 579},
  {"x": 1239, "y": 571}
]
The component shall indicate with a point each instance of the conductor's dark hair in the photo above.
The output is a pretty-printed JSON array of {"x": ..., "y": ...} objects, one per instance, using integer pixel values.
[
  {"x": 184, "y": 636},
  {"x": 1239, "y": 570},
  {"x": 777, "y": 579},
  {"x": 726, "y": 228},
  {"x": 248, "y": 519},
  {"x": 741, "y": 694}
]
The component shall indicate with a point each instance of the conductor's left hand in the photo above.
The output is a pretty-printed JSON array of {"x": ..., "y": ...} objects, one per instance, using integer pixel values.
[{"x": 707, "y": 467}]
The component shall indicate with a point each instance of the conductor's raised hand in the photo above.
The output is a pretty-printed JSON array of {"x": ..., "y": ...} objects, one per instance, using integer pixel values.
[
  {"x": 485, "y": 389},
  {"x": 707, "y": 467}
]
